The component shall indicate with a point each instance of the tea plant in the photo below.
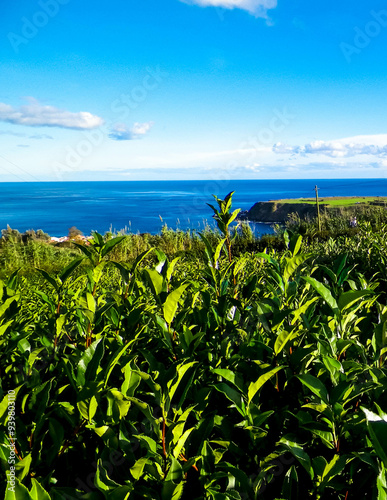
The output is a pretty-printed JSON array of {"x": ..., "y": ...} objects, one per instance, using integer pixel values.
[{"x": 227, "y": 376}]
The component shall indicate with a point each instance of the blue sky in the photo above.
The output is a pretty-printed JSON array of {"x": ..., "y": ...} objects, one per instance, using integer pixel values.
[{"x": 192, "y": 89}]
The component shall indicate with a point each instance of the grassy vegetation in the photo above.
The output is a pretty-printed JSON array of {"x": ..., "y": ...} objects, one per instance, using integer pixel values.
[
  {"x": 336, "y": 201},
  {"x": 185, "y": 366}
]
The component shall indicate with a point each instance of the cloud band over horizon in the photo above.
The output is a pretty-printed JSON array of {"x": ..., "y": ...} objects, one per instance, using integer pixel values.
[{"x": 341, "y": 148}]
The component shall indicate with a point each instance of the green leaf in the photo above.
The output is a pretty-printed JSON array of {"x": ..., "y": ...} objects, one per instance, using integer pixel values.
[
  {"x": 181, "y": 370},
  {"x": 315, "y": 385},
  {"x": 147, "y": 411},
  {"x": 107, "y": 434},
  {"x": 320, "y": 408},
  {"x": 124, "y": 271},
  {"x": 218, "y": 251},
  {"x": 120, "y": 493},
  {"x": 295, "y": 244},
  {"x": 138, "y": 468},
  {"x": 233, "y": 395},
  {"x": 60, "y": 321},
  {"x": 33, "y": 355},
  {"x": 94, "y": 364},
  {"x": 90, "y": 302},
  {"x": 97, "y": 240},
  {"x": 292, "y": 265},
  {"x": 162, "y": 260},
  {"x": 302, "y": 310},
  {"x": 181, "y": 442},
  {"x": 46, "y": 299},
  {"x": 19, "y": 492},
  {"x": 283, "y": 338},
  {"x": 109, "y": 245},
  {"x": 270, "y": 259},
  {"x": 381, "y": 484},
  {"x": 346, "y": 299},
  {"x": 101, "y": 479},
  {"x": 116, "y": 357},
  {"x": 67, "y": 271},
  {"x": 23, "y": 467},
  {"x": 339, "y": 264},
  {"x": 97, "y": 273},
  {"x": 171, "y": 268},
  {"x": 255, "y": 386},
  {"x": 324, "y": 292},
  {"x": 38, "y": 492},
  {"x": 229, "y": 375},
  {"x": 7, "y": 303},
  {"x": 239, "y": 475},
  {"x": 88, "y": 407},
  {"x": 334, "y": 367},
  {"x": 5, "y": 326},
  {"x": 175, "y": 471},
  {"x": 49, "y": 278},
  {"x": 132, "y": 380},
  {"x": 149, "y": 442},
  {"x": 297, "y": 451},
  {"x": 171, "y": 491},
  {"x": 156, "y": 281},
  {"x": 140, "y": 258},
  {"x": 171, "y": 303},
  {"x": 120, "y": 403},
  {"x": 291, "y": 482},
  {"x": 233, "y": 216},
  {"x": 377, "y": 427},
  {"x": 334, "y": 468},
  {"x": 39, "y": 400},
  {"x": 56, "y": 432},
  {"x": 85, "y": 360},
  {"x": 87, "y": 251},
  {"x": 227, "y": 201}
]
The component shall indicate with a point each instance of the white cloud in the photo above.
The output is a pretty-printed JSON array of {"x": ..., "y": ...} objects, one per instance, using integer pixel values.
[
  {"x": 121, "y": 132},
  {"x": 253, "y": 168},
  {"x": 373, "y": 145},
  {"x": 35, "y": 114},
  {"x": 258, "y": 8},
  {"x": 283, "y": 149}
]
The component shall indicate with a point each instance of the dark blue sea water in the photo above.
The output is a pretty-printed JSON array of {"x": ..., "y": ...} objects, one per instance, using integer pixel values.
[{"x": 137, "y": 205}]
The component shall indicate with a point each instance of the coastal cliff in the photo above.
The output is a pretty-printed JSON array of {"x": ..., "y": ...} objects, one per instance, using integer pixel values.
[
  {"x": 278, "y": 211},
  {"x": 271, "y": 211}
]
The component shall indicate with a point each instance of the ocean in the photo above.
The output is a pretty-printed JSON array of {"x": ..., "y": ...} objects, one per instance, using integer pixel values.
[{"x": 144, "y": 206}]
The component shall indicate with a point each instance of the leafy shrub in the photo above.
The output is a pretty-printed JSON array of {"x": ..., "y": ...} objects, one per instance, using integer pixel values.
[{"x": 158, "y": 378}]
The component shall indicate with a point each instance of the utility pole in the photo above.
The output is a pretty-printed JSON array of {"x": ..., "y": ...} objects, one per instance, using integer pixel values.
[{"x": 318, "y": 208}]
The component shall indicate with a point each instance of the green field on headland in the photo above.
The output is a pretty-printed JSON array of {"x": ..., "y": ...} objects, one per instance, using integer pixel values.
[{"x": 336, "y": 201}]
